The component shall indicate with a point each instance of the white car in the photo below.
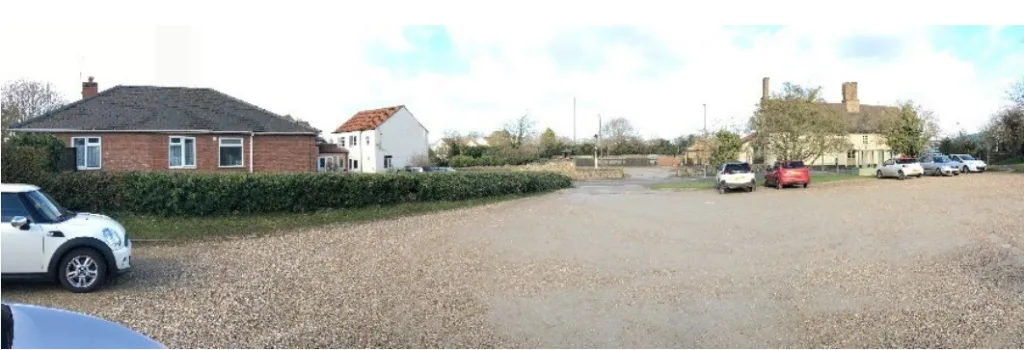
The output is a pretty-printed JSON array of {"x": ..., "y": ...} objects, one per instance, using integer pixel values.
[
  {"x": 735, "y": 175},
  {"x": 41, "y": 239},
  {"x": 900, "y": 168},
  {"x": 969, "y": 164}
]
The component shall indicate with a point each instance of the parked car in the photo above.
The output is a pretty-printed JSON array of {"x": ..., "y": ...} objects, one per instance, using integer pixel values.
[
  {"x": 899, "y": 168},
  {"x": 42, "y": 240},
  {"x": 33, "y": 327},
  {"x": 785, "y": 173},
  {"x": 969, "y": 163},
  {"x": 414, "y": 169},
  {"x": 939, "y": 165},
  {"x": 735, "y": 175},
  {"x": 437, "y": 169}
]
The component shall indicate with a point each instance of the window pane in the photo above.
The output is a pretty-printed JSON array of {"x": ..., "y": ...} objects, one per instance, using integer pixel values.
[
  {"x": 78, "y": 142},
  {"x": 190, "y": 152},
  {"x": 175, "y": 140},
  {"x": 80, "y": 154},
  {"x": 227, "y": 142},
  {"x": 92, "y": 156},
  {"x": 232, "y": 156},
  {"x": 175, "y": 155},
  {"x": 94, "y": 140}
]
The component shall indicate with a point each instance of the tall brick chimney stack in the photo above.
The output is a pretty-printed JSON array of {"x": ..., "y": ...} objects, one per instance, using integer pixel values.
[
  {"x": 850, "y": 97},
  {"x": 764, "y": 89},
  {"x": 89, "y": 89}
]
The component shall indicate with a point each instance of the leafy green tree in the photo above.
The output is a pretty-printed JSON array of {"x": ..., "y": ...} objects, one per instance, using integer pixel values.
[
  {"x": 725, "y": 145},
  {"x": 909, "y": 131},
  {"x": 548, "y": 143},
  {"x": 795, "y": 124}
]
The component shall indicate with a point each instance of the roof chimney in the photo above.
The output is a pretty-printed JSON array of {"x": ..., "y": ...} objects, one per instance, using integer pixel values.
[
  {"x": 89, "y": 89},
  {"x": 850, "y": 97},
  {"x": 764, "y": 88}
]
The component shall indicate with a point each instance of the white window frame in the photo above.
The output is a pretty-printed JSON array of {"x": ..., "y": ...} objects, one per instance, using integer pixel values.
[
  {"x": 342, "y": 141},
  {"x": 85, "y": 141},
  {"x": 388, "y": 160},
  {"x": 367, "y": 140},
  {"x": 195, "y": 155},
  {"x": 864, "y": 139},
  {"x": 353, "y": 140},
  {"x": 240, "y": 146}
]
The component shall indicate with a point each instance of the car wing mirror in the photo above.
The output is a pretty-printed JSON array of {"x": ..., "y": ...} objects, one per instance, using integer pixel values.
[{"x": 19, "y": 222}]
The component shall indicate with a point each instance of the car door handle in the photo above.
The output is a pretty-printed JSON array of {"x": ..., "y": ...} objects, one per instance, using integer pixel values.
[{"x": 55, "y": 234}]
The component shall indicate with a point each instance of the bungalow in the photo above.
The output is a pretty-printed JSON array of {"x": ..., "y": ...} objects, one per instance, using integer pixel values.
[
  {"x": 151, "y": 128},
  {"x": 383, "y": 139}
]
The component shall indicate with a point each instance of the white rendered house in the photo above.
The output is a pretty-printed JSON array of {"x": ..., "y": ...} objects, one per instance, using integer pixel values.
[{"x": 382, "y": 140}]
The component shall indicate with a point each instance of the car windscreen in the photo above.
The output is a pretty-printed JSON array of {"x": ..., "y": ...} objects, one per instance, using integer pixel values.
[
  {"x": 45, "y": 206},
  {"x": 906, "y": 161},
  {"x": 943, "y": 160},
  {"x": 737, "y": 168},
  {"x": 796, "y": 164},
  {"x": 965, "y": 157}
]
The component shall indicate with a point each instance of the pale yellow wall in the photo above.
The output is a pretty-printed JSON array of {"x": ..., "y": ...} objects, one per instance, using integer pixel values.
[{"x": 873, "y": 152}]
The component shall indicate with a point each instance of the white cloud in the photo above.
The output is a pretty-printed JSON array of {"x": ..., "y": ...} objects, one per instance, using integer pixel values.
[{"x": 318, "y": 71}]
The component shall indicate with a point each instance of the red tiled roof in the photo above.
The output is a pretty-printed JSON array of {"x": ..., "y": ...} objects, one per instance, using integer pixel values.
[
  {"x": 748, "y": 137},
  {"x": 368, "y": 119}
]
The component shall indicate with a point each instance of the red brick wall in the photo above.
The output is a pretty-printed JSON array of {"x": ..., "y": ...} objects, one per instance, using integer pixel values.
[
  {"x": 149, "y": 152},
  {"x": 289, "y": 153}
]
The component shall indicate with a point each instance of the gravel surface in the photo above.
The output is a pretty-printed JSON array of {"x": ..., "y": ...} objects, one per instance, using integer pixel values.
[{"x": 930, "y": 262}]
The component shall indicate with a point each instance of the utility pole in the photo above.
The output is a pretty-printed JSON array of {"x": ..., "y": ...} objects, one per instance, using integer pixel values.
[
  {"x": 597, "y": 146},
  {"x": 707, "y": 144},
  {"x": 574, "y": 120}
]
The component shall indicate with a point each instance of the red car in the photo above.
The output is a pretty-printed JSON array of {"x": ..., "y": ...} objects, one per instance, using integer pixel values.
[{"x": 788, "y": 173}]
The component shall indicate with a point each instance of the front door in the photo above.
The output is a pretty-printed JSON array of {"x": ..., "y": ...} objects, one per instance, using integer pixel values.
[{"x": 22, "y": 248}]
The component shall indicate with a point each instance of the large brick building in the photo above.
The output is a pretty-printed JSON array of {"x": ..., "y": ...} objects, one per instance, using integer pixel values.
[{"x": 147, "y": 128}]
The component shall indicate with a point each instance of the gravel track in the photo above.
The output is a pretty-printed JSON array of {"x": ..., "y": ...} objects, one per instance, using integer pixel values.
[{"x": 930, "y": 262}]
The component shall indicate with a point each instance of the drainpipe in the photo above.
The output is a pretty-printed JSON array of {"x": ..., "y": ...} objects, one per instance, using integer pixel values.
[{"x": 252, "y": 138}]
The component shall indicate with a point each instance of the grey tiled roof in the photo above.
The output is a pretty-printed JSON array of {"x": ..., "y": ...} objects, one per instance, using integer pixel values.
[{"x": 164, "y": 108}]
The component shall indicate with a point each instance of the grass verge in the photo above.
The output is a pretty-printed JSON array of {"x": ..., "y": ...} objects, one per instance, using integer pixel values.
[
  {"x": 1014, "y": 168},
  {"x": 710, "y": 183},
  {"x": 157, "y": 228}
]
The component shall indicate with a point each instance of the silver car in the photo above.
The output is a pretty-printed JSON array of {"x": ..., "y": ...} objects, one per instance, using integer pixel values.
[
  {"x": 939, "y": 165},
  {"x": 36, "y": 327}
]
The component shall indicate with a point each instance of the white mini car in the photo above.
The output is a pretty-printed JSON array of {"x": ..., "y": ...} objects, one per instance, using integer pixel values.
[
  {"x": 41, "y": 239},
  {"x": 969, "y": 164},
  {"x": 900, "y": 168},
  {"x": 735, "y": 175}
]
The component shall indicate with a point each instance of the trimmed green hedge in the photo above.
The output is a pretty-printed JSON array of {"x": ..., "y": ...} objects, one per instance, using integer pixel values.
[{"x": 169, "y": 194}]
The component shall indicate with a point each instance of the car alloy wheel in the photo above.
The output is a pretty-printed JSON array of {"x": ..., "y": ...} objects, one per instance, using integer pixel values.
[
  {"x": 902, "y": 176},
  {"x": 83, "y": 270},
  {"x": 753, "y": 186},
  {"x": 938, "y": 172},
  {"x": 778, "y": 185},
  {"x": 721, "y": 188},
  {"x": 878, "y": 174},
  {"x": 806, "y": 184},
  {"x": 965, "y": 169}
]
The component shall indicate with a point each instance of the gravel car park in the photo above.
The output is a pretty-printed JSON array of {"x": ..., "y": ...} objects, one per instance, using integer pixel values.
[{"x": 605, "y": 267}]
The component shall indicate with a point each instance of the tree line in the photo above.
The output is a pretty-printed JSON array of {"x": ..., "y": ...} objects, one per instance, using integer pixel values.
[{"x": 518, "y": 141}]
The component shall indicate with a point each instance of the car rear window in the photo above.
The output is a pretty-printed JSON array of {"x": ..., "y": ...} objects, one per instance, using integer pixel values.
[
  {"x": 737, "y": 168},
  {"x": 796, "y": 164},
  {"x": 906, "y": 161}
]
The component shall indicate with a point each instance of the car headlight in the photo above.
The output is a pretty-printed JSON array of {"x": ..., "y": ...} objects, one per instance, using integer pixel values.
[{"x": 112, "y": 238}]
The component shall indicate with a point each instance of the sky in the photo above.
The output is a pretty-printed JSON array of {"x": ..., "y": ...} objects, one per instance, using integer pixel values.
[{"x": 475, "y": 76}]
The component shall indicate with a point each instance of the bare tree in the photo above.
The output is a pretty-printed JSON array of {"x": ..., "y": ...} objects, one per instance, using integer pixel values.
[
  {"x": 23, "y": 99},
  {"x": 794, "y": 124},
  {"x": 520, "y": 130},
  {"x": 1016, "y": 93}
]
